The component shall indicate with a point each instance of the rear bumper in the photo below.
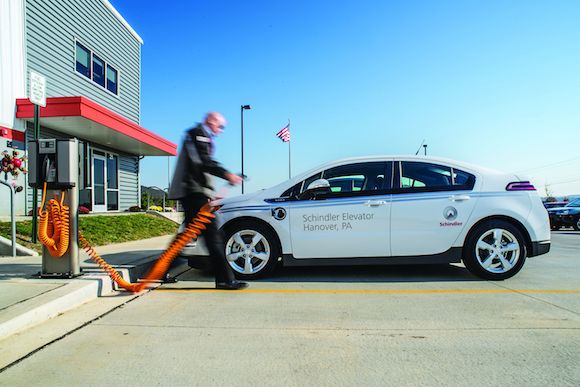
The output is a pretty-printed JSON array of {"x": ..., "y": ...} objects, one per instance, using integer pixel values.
[{"x": 539, "y": 248}]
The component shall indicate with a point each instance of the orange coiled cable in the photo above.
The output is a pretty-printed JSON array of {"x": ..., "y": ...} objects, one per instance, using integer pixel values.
[
  {"x": 114, "y": 274},
  {"x": 54, "y": 225},
  {"x": 160, "y": 267}
]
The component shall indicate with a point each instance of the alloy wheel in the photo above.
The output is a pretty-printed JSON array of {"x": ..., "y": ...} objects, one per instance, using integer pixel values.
[
  {"x": 497, "y": 250},
  {"x": 248, "y": 251}
]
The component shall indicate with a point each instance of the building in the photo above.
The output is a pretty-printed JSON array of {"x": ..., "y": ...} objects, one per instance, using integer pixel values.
[{"x": 91, "y": 59}]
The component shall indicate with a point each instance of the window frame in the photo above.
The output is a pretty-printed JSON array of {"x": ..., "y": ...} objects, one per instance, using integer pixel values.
[
  {"x": 93, "y": 56},
  {"x": 90, "y": 66},
  {"x": 387, "y": 184},
  {"x": 453, "y": 187},
  {"x": 105, "y": 64}
]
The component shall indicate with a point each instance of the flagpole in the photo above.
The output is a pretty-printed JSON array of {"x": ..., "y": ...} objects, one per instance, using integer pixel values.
[{"x": 289, "y": 155}]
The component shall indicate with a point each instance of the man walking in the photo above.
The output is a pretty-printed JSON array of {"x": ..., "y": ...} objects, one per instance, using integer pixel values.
[{"x": 192, "y": 185}]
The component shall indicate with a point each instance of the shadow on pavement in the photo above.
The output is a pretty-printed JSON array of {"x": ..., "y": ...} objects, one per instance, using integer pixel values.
[{"x": 361, "y": 274}]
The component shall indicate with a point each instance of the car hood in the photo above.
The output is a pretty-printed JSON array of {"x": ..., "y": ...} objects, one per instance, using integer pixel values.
[
  {"x": 560, "y": 209},
  {"x": 246, "y": 199}
]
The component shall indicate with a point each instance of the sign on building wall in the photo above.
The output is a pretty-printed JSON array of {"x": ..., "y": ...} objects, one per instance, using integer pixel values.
[{"x": 37, "y": 89}]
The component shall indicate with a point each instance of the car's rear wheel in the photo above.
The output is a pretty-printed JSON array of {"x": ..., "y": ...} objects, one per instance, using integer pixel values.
[
  {"x": 252, "y": 250},
  {"x": 495, "y": 250}
]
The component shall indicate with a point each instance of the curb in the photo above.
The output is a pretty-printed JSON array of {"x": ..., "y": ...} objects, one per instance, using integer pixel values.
[
  {"x": 93, "y": 284},
  {"x": 51, "y": 304}
]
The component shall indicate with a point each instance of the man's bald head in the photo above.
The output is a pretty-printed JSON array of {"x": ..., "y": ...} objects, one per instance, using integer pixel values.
[{"x": 215, "y": 121}]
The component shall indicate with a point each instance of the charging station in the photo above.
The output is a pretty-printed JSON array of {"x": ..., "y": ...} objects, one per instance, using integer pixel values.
[{"x": 56, "y": 163}]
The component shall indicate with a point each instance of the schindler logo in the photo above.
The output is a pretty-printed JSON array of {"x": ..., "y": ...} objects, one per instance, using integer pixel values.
[{"x": 450, "y": 214}]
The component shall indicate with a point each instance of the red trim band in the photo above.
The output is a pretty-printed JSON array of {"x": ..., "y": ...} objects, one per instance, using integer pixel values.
[
  {"x": 84, "y": 107},
  {"x": 11, "y": 134}
]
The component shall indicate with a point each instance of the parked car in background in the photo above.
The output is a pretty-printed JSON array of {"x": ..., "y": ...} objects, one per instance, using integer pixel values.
[
  {"x": 565, "y": 216},
  {"x": 554, "y": 204},
  {"x": 385, "y": 210}
]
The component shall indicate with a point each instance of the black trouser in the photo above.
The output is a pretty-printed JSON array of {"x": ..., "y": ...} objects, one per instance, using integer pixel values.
[{"x": 214, "y": 239}]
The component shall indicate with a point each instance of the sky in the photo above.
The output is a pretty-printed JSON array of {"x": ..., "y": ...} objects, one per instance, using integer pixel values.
[{"x": 493, "y": 83}]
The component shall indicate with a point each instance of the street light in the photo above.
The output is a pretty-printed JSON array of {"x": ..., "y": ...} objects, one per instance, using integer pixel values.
[{"x": 242, "y": 108}]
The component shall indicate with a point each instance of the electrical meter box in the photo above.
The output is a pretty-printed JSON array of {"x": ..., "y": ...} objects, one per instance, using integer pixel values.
[{"x": 55, "y": 162}]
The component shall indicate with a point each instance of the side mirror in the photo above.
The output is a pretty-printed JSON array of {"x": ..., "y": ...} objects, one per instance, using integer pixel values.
[{"x": 317, "y": 187}]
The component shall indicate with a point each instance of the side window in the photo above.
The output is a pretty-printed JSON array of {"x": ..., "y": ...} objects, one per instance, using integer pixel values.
[
  {"x": 83, "y": 60},
  {"x": 308, "y": 181},
  {"x": 111, "y": 79},
  {"x": 359, "y": 178},
  {"x": 94, "y": 67},
  {"x": 98, "y": 70},
  {"x": 462, "y": 179},
  {"x": 300, "y": 187},
  {"x": 292, "y": 191},
  {"x": 425, "y": 177}
]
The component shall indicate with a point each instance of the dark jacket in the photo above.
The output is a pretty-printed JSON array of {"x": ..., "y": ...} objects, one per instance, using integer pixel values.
[{"x": 194, "y": 165}]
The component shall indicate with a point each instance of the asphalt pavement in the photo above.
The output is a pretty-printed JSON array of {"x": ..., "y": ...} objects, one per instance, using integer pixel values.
[{"x": 403, "y": 325}]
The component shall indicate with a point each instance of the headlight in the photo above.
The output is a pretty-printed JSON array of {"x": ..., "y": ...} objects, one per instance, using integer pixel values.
[{"x": 565, "y": 212}]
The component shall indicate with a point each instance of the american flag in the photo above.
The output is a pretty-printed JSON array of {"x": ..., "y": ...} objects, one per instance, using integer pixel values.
[{"x": 284, "y": 134}]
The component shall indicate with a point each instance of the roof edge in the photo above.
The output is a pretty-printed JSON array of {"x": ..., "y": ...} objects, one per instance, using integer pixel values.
[{"x": 122, "y": 20}]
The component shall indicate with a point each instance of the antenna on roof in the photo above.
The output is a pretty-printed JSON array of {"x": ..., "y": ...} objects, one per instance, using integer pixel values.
[{"x": 416, "y": 153}]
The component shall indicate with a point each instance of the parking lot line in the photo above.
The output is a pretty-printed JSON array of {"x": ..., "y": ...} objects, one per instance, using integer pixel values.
[{"x": 368, "y": 291}]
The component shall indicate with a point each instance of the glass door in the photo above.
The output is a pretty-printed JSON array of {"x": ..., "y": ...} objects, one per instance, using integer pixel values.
[{"x": 99, "y": 187}]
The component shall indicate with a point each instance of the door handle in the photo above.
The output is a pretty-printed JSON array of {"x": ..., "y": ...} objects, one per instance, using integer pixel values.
[
  {"x": 375, "y": 203},
  {"x": 459, "y": 198}
]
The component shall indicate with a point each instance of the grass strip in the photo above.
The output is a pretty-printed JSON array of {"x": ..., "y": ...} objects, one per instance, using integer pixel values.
[{"x": 101, "y": 230}]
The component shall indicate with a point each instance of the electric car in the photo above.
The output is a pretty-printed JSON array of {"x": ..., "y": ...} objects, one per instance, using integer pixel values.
[
  {"x": 385, "y": 210},
  {"x": 566, "y": 215}
]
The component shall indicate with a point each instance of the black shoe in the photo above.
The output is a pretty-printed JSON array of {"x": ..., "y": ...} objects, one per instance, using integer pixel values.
[
  {"x": 169, "y": 280},
  {"x": 231, "y": 285}
]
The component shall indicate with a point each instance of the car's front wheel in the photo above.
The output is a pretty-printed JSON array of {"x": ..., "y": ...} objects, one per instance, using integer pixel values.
[
  {"x": 576, "y": 224},
  {"x": 495, "y": 250},
  {"x": 252, "y": 250}
]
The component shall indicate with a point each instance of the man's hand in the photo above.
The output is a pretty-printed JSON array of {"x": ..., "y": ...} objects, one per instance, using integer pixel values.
[{"x": 233, "y": 179}]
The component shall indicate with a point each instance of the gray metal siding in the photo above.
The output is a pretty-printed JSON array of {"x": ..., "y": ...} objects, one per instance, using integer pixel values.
[
  {"x": 128, "y": 182},
  {"x": 52, "y": 28}
]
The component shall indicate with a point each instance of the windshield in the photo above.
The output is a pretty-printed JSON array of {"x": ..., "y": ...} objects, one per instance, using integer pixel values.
[{"x": 575, "y": 203}]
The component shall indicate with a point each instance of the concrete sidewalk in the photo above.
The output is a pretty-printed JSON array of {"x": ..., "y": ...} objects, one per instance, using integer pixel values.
[{"x": 27, "y": 301}]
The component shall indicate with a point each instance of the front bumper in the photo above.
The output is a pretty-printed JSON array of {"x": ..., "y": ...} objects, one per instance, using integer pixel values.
[
  {"x": 563, "y": 220},
  {"x": 539, "y": 248}
]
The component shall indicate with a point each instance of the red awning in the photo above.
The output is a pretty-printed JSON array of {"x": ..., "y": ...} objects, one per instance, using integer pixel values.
[{"x": 82, "y": 118}]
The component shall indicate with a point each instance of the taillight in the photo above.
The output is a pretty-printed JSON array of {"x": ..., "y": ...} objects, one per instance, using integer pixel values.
[{"x": 520, "y": 186}]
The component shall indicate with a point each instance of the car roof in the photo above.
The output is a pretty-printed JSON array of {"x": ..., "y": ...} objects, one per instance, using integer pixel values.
[{"x": 429, "y": 159}]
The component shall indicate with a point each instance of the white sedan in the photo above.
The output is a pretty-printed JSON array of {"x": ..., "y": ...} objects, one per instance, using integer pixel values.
[{"x": 386, "y": 210}]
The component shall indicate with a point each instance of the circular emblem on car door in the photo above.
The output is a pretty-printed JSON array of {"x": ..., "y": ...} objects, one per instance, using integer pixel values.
[
  {"x": 450, "y": 213},
  {"x": 279, "y": 213}
]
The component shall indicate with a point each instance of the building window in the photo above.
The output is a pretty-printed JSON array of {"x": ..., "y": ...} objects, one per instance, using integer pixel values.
[
  {"x": 111, "y": 79},
  {"x": 98, "y": 71},
  {"x": 83, "y": 60},
  {"x": 93, "y": 67}
]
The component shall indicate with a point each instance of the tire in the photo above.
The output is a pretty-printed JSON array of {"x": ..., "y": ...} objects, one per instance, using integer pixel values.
[
  {"x": 493, "y": 259},
  {"x": 576, "y": 224},
  {"x": 257, "y": 256}
]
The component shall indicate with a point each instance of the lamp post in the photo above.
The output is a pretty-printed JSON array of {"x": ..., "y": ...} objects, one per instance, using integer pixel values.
[{"x": 242, "y": 108}]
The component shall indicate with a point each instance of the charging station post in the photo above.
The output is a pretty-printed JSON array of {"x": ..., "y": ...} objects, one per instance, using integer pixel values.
[{"x": 56, "y": 163}]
